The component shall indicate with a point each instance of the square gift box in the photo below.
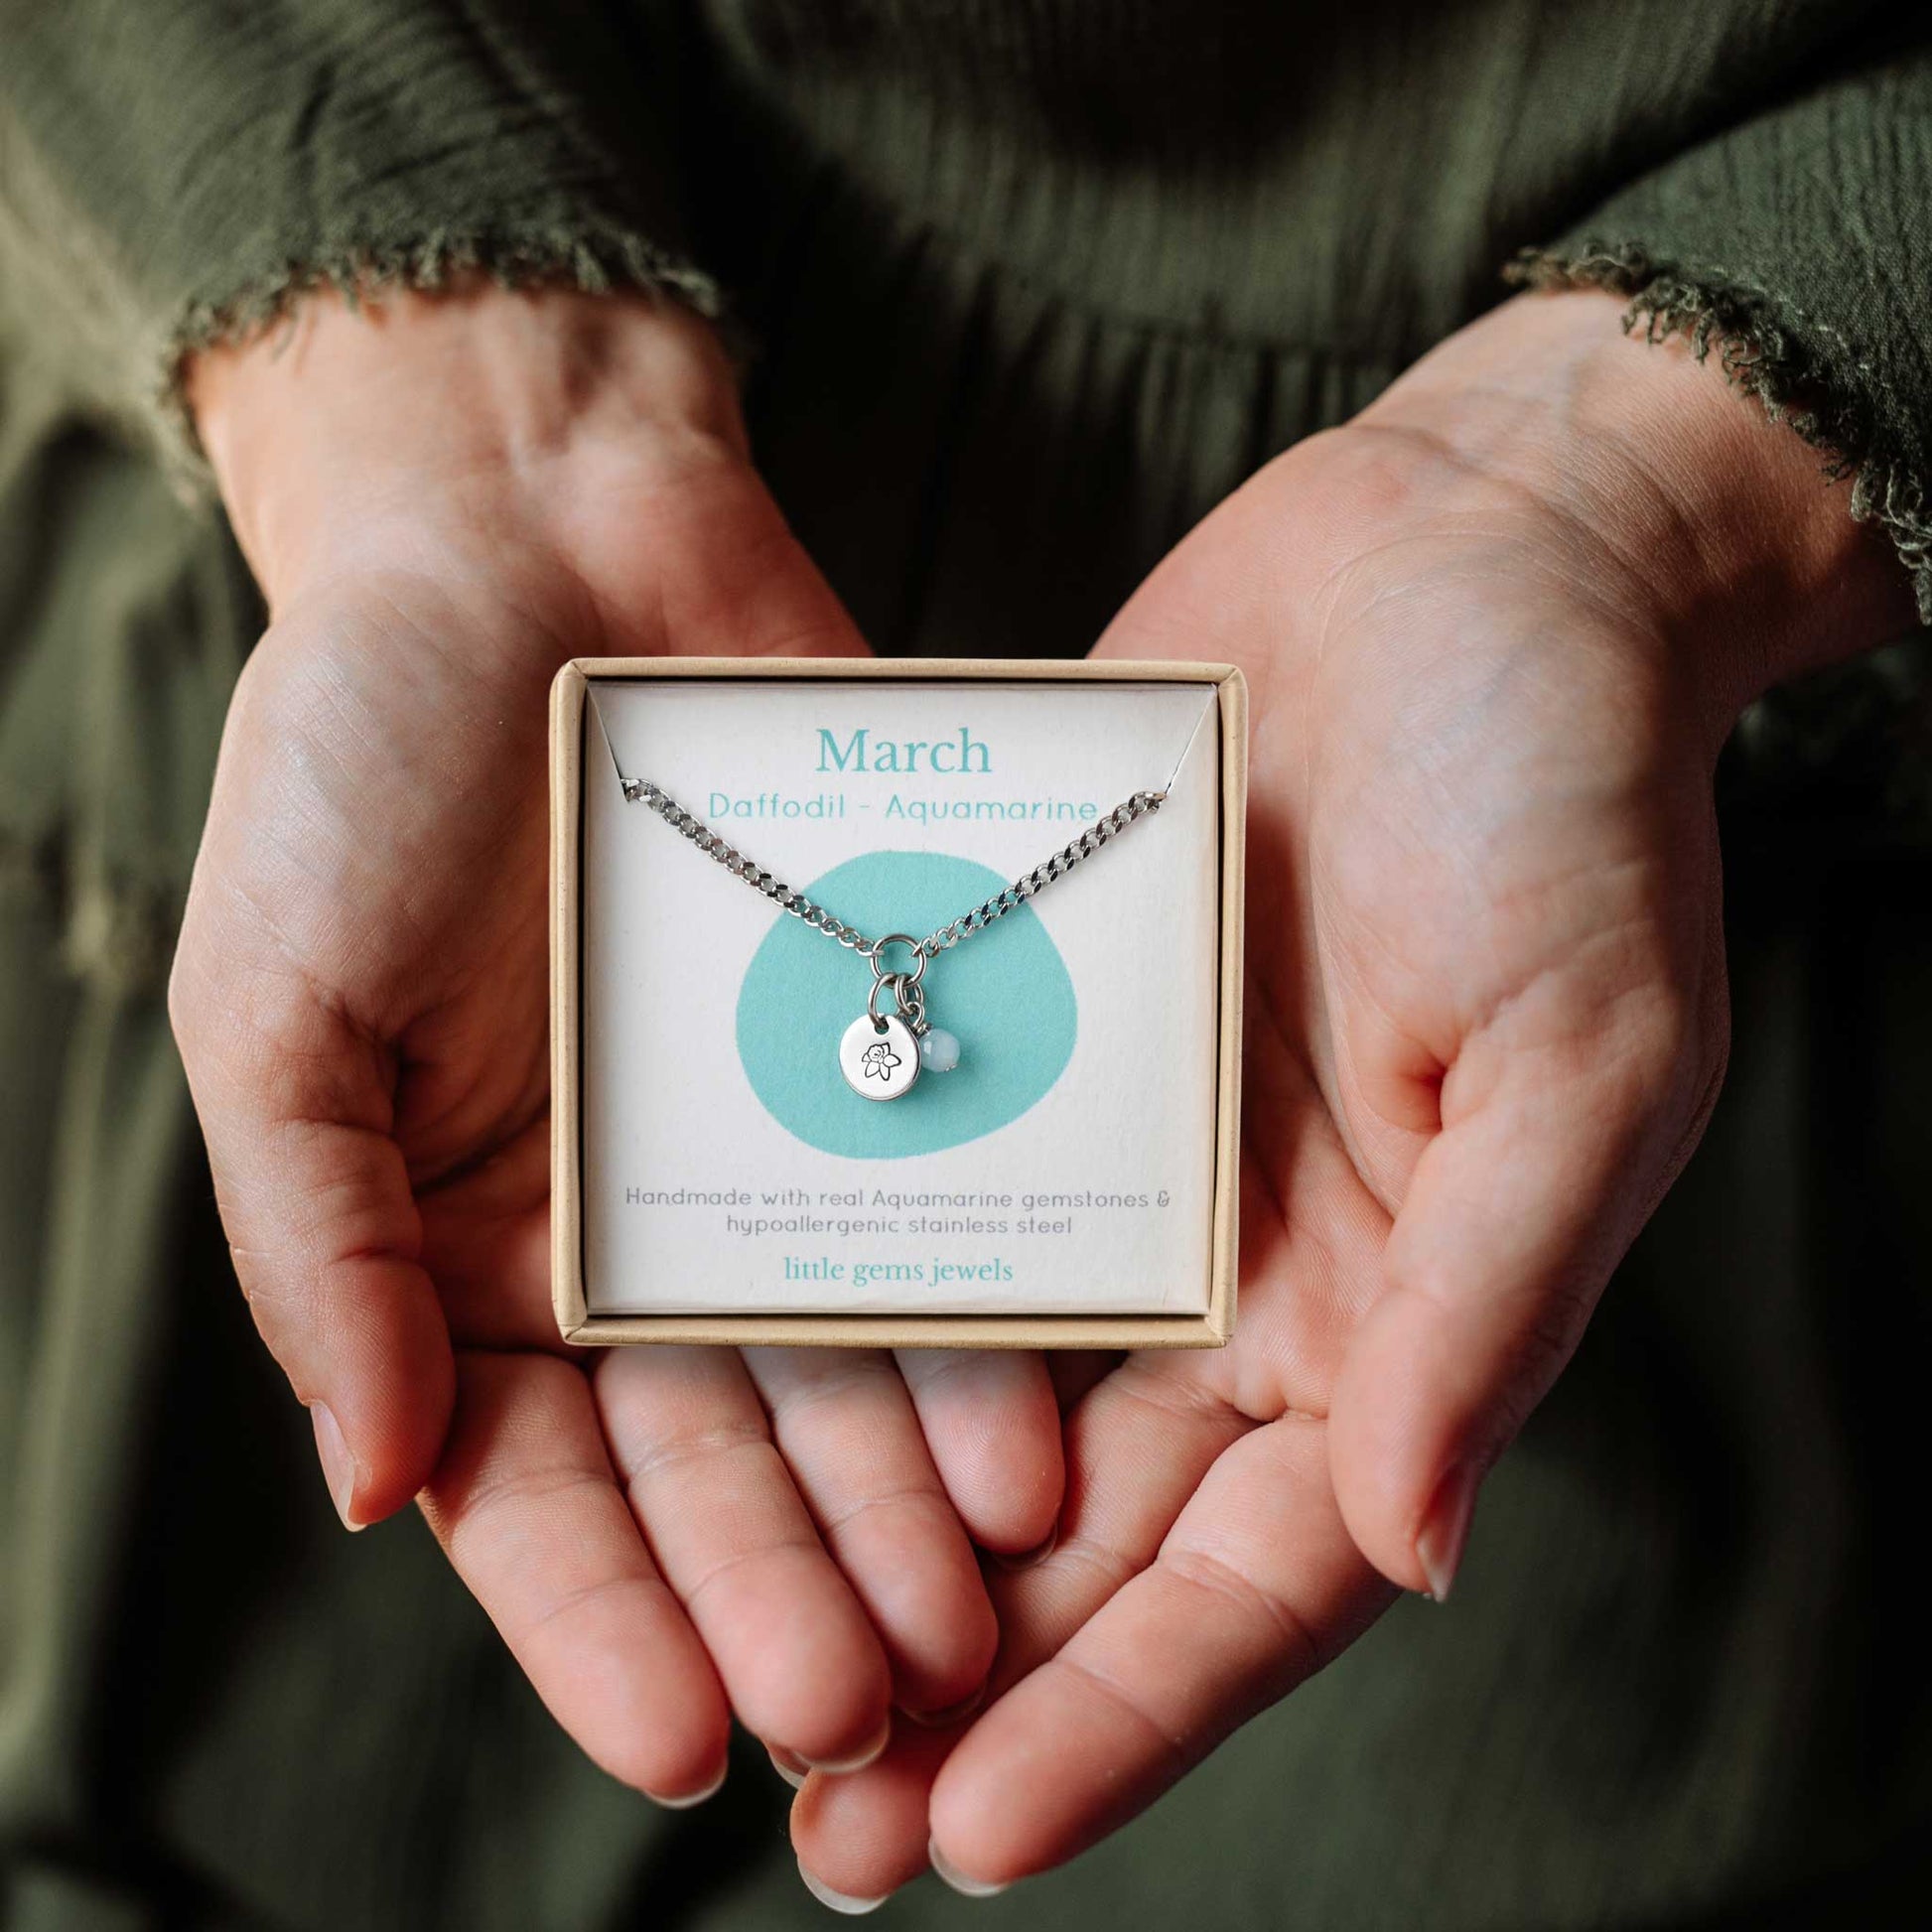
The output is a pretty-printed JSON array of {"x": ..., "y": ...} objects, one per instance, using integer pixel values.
[{"x": 1023, "y": 1134}]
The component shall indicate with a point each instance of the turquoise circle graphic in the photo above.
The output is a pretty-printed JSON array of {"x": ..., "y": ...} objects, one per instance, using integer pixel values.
[{"x": 1005, "y": 992}]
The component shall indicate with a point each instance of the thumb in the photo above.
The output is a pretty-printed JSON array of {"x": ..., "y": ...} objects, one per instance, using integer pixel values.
[
  {"x": 322, "y": 1222},
  {"x": 1549, "y": 1160}
]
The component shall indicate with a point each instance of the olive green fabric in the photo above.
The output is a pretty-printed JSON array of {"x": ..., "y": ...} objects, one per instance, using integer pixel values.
[
  {"x": 179, "y": 173},
  {"x": 1799, "y": 299},
  {"x": 1030, "y": 285}
]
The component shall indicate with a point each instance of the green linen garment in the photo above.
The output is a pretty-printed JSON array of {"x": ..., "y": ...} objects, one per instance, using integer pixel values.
[{"x": 1026, "y": 286}]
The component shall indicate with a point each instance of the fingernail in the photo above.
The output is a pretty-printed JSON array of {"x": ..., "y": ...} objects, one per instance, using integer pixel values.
[
  {"x": 1445, "y": 1529},
  {"x": 844, "y": 1766},
  {"x": 951, "y": 1714},
  {"x": 950, "y": 1874},
  {"x": 1027, "y": 1558},
  {"x": 793, "y": 1770},
  {"x": 338, "y": 1465},
  {"x": 685, "y": 1803},
  {"x": 839, "y": 1901}
]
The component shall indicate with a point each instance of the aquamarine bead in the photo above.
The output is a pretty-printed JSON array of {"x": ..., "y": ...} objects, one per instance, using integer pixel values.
[{"x": 938, "y": 1051}]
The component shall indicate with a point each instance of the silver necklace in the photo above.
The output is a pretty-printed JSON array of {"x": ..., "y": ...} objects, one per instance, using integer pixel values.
[{"x": 881, "y": 1053}]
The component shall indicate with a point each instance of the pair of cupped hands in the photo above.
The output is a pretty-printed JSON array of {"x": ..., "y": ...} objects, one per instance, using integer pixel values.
[{"x": 982, "y": 1609}]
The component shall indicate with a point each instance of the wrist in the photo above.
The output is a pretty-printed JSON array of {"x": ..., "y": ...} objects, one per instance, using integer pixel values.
[
  {"x": 1715, "y": 526},
  {"x": 331, "y": 437}
]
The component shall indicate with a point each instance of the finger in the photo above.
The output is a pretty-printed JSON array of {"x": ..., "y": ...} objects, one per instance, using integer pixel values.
[
  {"x": 864, "y": 1836},
  {"x": 846, "y": 1428},
  {"x": 1136, "y": 1447},
  {"x": 1550, "y": 1159},
  {"x": 991, "y": 1421},
  {"x": 797, "y": 1655},
  {"x": 1256, "y": 1587},
  {"x": 527, "y": 1506},
  {"x": 296, "y": 1105}
]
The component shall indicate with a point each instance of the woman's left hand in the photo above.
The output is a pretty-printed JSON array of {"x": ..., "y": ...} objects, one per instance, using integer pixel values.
[{"x": 1496, "y": 630}]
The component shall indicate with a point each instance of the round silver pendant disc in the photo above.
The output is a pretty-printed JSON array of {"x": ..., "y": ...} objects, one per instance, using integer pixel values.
[{"x": 881, "y": 1061}]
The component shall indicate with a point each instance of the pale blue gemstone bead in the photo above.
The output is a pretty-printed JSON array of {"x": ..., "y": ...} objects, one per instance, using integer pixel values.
[{"x": 938, "y": 1051}]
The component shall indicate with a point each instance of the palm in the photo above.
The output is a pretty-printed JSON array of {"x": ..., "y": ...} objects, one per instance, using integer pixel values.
[
  {"x": 663, "y": 1536},
  {"x": 1484, "y": 1016}
]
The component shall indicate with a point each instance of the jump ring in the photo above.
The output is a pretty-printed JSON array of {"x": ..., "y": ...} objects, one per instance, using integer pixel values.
[{"x": 880, "y": 974}]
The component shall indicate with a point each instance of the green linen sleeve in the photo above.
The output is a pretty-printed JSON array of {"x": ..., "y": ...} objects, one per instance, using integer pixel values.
[
  {"x": 1797, "y": 245},
  {"x": 174, "y": 172}
]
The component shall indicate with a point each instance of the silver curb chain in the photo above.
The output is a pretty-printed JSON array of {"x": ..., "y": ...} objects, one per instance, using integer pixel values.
[
  {"x": 714, "y": 845},
  {"x": 880, "y": 1054}
]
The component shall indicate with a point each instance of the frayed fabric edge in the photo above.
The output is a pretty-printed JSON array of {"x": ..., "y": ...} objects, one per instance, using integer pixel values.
[
  {"x": 593, "y": 259},
  {"x": 1759, "y": 354}
]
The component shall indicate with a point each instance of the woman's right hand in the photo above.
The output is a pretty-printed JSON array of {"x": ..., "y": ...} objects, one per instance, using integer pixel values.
[{"x": 444, "y": 498}]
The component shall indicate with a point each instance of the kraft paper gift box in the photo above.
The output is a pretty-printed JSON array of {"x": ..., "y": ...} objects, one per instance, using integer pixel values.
[{"x": 1072, "y": 1181}]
